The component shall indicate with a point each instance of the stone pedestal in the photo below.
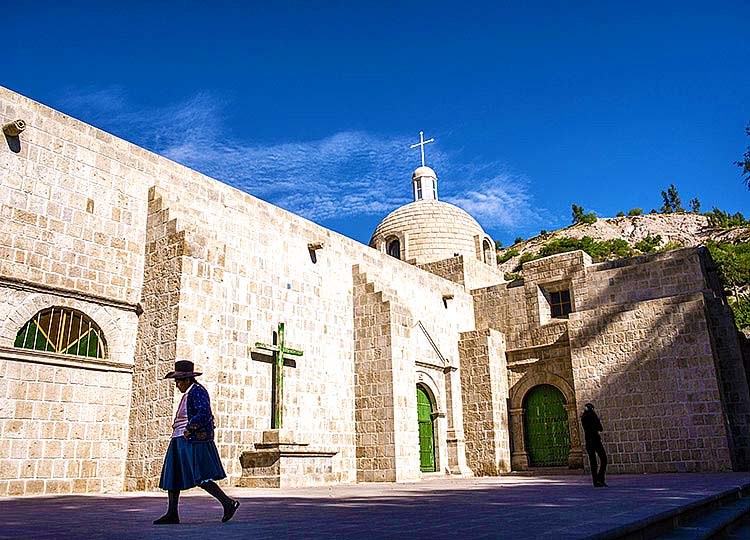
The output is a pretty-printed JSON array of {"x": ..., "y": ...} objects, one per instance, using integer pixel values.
[
  {"x": 575, "y": 458},
  {"x": 519, "y": 458},
  {"x": 284, "y": 460},
  {"x": 457, "y": 455}
]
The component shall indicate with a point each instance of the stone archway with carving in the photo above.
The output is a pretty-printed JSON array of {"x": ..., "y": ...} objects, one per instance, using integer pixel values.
[{"x": 520, "y": 457}]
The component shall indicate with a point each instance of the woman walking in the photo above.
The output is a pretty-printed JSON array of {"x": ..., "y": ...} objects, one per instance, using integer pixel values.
[{"x": 192, "y": 459}]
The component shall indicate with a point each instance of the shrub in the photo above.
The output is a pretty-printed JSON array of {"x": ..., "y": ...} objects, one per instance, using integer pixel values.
[
  {"x": 669, "y": 246},
  {"x": 648, "y": 244},
  {"x": 589, "y": 218},
  {"x": 732, "y": 261},
  {"x": 635, "y": 211},
  {"x": 599, "y": 251},
  {"x": 580, "y": 217},
  {"x": 508, "y": 255},
  {"x": 741, "y": 309},
  {"x": 723, "y": 220}
]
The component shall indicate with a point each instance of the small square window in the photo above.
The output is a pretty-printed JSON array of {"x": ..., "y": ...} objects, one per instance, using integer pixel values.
[{"x": 560, "y": 303}]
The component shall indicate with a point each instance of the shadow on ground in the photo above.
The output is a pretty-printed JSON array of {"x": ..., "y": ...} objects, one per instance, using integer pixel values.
[{"x": 508, "y": 507}]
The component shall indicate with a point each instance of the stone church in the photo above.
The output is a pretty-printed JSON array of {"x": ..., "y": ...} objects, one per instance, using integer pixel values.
[{"x": 327, "y": 360}]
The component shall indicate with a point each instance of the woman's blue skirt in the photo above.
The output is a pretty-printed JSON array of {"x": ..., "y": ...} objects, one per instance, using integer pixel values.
[{"x": 189, "y": 464}]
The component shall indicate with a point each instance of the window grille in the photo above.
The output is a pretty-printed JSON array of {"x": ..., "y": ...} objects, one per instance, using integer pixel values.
[
  {"x": 560, "y": 303},
  {"x": 62, "y": 330}
]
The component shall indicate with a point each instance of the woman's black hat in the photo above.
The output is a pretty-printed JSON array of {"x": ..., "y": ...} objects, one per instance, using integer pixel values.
[{"x": 183, "y": 369}]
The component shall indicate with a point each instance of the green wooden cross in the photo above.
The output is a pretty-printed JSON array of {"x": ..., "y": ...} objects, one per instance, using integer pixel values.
[{"x": 279, "y": 352}]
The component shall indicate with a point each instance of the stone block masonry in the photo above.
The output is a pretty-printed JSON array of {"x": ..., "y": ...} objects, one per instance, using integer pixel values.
[
  {"x": 214, "y": 271},
  {"x": 156, "y": 349},
  {"x": 172, "y": 265},
  {"x": 484, "y": 384},
  {"x": 63, "y": 429},
  {"x": 656, "y": 390},
  {"x": 374, "y": 405}
]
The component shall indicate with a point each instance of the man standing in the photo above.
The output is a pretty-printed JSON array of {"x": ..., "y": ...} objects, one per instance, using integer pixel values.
[{"x": 591, "y": 428}]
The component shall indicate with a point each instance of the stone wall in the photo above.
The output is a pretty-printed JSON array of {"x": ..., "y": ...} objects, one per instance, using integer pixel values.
[
  {"x": 484, "y": 384},
  {"x": 649, "y": 369},
  {"x": 62, "y": 428},
  {"x": 645, "y": 324},
  {"x": 467, "y": 271},
  {"x": 72, "y": 209},
  {"x": 71, "y": 216},
  {"x": 215, "y": 270},
  {"x": 155, "y": 354},
  {"x": 373, "y": 384},
  {"x": 451, "y": 269},
  {"x": 726, "y": 344},
  {"x": 63, "y": 419}
]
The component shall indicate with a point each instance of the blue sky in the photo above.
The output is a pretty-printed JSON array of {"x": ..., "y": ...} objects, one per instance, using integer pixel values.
[{"x": 313, "y": 105}]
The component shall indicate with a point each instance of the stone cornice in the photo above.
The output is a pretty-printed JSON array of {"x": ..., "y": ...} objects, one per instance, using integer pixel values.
[
  {"x": 28, "y": 286},
  {"x": 63, "y": 360}
]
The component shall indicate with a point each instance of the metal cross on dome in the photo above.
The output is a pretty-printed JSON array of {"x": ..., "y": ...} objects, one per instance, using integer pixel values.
[{"x": 421, "y": 144}]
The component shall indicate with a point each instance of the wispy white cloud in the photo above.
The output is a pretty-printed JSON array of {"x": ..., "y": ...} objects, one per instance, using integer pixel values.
[
  {"x": 502, "y": 202},
  {"x": 346, "y": 174}
]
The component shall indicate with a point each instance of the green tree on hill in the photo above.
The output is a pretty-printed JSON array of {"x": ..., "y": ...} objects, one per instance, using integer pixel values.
[
  {"x": 579, "y": 216},
  {"x": 724, "y": 220},
  {"x": 744, "y": 162},
  {"x": 672, "y": 201}
]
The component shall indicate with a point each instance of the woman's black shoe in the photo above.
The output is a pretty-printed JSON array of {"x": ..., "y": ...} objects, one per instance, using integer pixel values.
[
  {"x": 229, "y": 512},
  {"x": 166, "y": 519}
]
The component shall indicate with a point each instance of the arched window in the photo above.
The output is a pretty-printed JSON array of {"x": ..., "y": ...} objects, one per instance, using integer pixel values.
[
  {"x": 62, "y": 330},
  {"x": 394, "y": 248},
  {"x": 487, "y": 251}
]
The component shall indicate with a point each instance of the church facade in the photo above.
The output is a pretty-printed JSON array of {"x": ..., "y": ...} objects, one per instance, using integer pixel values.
[{"x": 326, "y": 360}]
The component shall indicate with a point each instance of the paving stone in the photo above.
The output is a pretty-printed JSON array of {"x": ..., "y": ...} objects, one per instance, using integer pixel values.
[{"x": 559, "y": 507}]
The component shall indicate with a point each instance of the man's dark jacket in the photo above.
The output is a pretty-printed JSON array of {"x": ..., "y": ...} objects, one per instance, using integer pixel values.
[{"x": 591, "y": 426}]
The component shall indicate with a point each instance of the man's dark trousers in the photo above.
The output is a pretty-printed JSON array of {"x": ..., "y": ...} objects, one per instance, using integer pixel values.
[{"x": 593, "y": 448}]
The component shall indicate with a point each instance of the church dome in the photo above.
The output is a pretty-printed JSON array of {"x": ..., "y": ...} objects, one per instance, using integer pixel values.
[
  {"x": 423, "y": 171},
  {"x": 429, "y": 230}
]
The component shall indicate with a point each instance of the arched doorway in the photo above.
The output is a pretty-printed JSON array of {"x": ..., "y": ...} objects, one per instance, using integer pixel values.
[
  {"x": 426, "y": 431},
  {"x": 546, "y": 427}
]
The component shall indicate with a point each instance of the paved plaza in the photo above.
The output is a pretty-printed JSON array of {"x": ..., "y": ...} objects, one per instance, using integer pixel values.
[{"x": 559, "y": 507}]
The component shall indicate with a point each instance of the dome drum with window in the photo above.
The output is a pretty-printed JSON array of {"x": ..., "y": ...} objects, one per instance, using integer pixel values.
[{"x": 428, "y": 230}]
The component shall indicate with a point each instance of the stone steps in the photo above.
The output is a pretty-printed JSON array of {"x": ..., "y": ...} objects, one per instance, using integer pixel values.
[
  {"x": 723, "y": 515},
  {"x": 714, "y": 525}
]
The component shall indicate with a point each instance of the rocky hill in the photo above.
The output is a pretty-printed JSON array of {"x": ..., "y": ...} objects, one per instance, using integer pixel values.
[{"x": 675, "y": 231}]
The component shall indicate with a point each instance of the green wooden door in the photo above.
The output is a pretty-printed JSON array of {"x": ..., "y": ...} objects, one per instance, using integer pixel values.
[
  {"x": 546, "y": 423},
  {"x": 426, "y": 435}
]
